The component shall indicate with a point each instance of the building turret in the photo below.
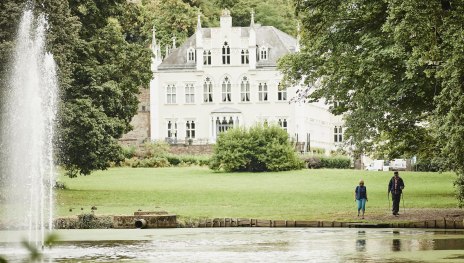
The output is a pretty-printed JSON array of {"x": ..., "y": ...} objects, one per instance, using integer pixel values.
[
  {"x": 199, "y": 44},
  {"x": 252, "y": 42},
  {"x": 156, "y": 53}
]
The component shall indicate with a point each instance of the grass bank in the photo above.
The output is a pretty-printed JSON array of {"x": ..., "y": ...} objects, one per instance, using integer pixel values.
[{"x": 195, "y": 192}]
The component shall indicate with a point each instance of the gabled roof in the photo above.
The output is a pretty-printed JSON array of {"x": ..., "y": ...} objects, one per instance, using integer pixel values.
[{"x": 278, "y": 42}]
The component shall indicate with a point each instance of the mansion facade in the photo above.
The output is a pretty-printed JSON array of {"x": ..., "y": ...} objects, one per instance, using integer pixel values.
[{"x": 227, "y": 77}]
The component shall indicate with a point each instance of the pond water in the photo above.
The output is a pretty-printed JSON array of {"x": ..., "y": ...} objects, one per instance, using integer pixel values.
[{"x": 246, "y": 245}]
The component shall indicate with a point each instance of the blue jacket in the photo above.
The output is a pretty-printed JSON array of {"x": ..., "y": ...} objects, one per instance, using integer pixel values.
[
  {"x": 399, "y": 187},
  {"x": 361, "y": 192}
]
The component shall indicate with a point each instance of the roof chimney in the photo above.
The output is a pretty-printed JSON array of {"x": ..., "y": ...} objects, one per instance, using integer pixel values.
[{"x": 226, "y": 19}]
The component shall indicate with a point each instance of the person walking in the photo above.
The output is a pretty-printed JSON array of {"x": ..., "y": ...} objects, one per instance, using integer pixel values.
[
  {"x": 395, "y": 187},
  {"x": 360, "y": 197}
]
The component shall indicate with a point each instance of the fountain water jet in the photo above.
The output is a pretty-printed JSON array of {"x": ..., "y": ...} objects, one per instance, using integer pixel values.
[{"x": 27, "y": 130}]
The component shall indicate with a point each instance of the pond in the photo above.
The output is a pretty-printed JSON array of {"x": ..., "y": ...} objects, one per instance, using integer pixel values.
[{"x": 246, "y": 245}]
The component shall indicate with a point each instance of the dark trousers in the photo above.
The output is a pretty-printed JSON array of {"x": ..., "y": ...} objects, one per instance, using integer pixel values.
[{"x": 396, "y": 202}]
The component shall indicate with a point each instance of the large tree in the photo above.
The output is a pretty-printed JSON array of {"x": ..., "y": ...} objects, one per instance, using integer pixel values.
[
  {"x": 103, "y": 60},
  {"x": 393, "y": 68},
  {"x": 112, "y": 63}
]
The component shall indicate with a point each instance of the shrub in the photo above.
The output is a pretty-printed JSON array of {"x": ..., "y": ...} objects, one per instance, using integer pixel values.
[
  {"x": 173, "y": 159},
  {"x": 313, "y": 162},
  {"x": 337, "y": 162},
  {"x": 129, "y": 151},
  {"x": 154, "y": 162},
  {"x": 156, "y": 149},
  {"x": 428, "y": 165},
  {"x": 257, "y": 149}
]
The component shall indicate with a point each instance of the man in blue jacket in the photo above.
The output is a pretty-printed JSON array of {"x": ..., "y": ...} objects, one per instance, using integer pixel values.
[{"x": 396, "y": 187}]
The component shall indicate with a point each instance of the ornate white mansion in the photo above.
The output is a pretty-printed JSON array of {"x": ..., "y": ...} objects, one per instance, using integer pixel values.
[{"x": 226, "y": 77}]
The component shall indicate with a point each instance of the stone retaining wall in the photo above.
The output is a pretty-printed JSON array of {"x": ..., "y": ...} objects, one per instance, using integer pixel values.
[
  {"x": 247, "y": 222},
  {"x": 191, "y": 149},
  {"x": 170, "y": 221},
  {"x": 153, "y": 221}
]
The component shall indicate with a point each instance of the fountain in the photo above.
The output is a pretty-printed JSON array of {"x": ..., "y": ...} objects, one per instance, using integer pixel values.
[{"x": 28, "y": 120}]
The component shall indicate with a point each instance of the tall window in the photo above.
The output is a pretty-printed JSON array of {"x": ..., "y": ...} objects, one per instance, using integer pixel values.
[
  {"x": 225, "y": 54},
  {"x": 226, "y": 90},
  {"x": 338, "y": 134},
  {"x": 207, "y": 57},
  {"x": 263, "y": 53},
  {"x": 172, "y": 129},
  {"x": 245, "y": 89},
  {"x": 262, "y": 91},
  {"x": 171, "y": 94},
  {"x": 190, "y": 129},
  {"x": 189, "y": 93},
  {"x": 224, "y": 124},
  {"x": 245, "y": 56},
  {"x": 191, "y": 55},
  {"x": 207, "y": 91},
  {"x": 281, "y": 94},
  {"x": 283, "y": 123}
]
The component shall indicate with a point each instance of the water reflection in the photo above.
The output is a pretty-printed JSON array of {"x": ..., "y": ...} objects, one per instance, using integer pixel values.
[
  {"x": 396, "y": 242},
  {"x": 248, "y": 245},
  {"x": 361, "y": 241}
]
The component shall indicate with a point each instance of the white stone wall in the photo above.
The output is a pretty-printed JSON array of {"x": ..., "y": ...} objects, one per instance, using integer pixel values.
[{"x": 301, "y": 118}]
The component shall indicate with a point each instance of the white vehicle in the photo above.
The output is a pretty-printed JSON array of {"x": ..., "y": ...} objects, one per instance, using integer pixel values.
[
  {"x": 398, "y": 165},
  {"x": 376, "y": 165}
]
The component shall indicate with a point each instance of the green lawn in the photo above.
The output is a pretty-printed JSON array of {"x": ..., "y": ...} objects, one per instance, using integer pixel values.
[{"x": 195, "y": 192}]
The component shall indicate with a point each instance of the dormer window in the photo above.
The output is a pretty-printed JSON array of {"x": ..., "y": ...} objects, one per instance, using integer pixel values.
[
  {"x": 226, "y": 54},
  {"x": 263, "y": 53},
  {"x": 191, "y": 55}
]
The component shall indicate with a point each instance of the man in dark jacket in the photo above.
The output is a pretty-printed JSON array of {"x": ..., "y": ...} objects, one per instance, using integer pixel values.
[{"x": 396, "y": 187}]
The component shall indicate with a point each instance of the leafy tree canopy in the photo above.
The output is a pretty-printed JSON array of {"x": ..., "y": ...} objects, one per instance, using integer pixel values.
[
  {"x": 102, "y": 60},
  {"x": 396, "y": 68}
]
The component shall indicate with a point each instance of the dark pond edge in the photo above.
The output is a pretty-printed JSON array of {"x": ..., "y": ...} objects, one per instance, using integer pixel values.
[
  {"x": 102, "y": 222},
  {"x": 246, "y": 222}
]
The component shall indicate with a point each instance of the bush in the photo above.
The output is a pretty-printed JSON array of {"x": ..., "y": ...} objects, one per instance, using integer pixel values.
[
  {"x": 173, "y": 159},
  {"x": 257, "y": 149},
  {"x": 156, "y": 149},
  {"x": 337, "y": 162},
  {"x": 129, "y": 151},
  {"x": 313, "y": 162},
  {"x": 154, "y": 162},
  {"x": 428, "y": 165}
]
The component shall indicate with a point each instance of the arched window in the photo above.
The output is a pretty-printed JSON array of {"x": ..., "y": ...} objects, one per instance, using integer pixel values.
[
  {"x": 207, "y": 90},
  {"x": 172, "y": 129},
  {"x": 207, "y": 57},
  {"x": 263, "y": 53},
  {"x": 245, "y": 89},
  {"x": 225, "y": 54},
  {"x": 224, "y": 124},
  {"x": 191, "y": 55},
  {"x": 226, "y": 90},
  {"x": 262, "y": 91},
  {"x": 245, "y": 56}
]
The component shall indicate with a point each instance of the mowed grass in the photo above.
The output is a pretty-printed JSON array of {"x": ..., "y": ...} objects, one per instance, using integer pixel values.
[{"x": 196, "y": 192}]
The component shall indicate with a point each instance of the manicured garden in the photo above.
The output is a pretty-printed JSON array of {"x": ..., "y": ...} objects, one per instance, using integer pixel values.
[{"x": 196, "y": 192}]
